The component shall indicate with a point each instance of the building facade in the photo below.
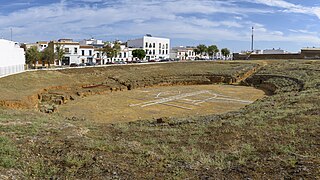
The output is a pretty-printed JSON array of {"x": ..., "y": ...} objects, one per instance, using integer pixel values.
[
  {"x": 86, "y": 55},
  {"x": 156, "y": 48},
  {"x": 12, "y": 58},
  {"x": 92, "y": 50},
  {"x": 274, "y": 51},
  {"x": 183, "y": 53},
  {"x": 71, "y": 51}
]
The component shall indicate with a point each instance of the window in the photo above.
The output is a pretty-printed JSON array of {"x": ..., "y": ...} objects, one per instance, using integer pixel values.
[
  {"x": 166, "y": 51},
  {"x": 76, "y": 50},
  {"x": 146, "y": 44},
  {"x": 146, "y": 51},
  {"x": 159, "y": 45},
  {"x": 154, "y": 52},
  {"x": 150, "y": 46},
  {"x": 66, "y": 50},
  {"x": 150, "y": 52},
  {"x": 82, "y": 52},
  {"x": 160, "y": 51},
  {"x": 167, "y": 46},
  {"x": 154, "y": 45},
  {"x": 98, "y": 55},
  {"x": 90, "y": 52},
  {"x": 124, "y": 54}
]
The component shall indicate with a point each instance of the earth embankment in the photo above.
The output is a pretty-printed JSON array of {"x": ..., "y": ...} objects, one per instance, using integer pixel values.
[{"x": 46, "y": 90}]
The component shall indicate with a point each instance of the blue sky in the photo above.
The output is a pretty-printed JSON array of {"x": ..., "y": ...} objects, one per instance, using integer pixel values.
[{"x": 286, "y": 24}]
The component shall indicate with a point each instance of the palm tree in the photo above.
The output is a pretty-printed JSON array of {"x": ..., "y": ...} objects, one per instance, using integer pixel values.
[
  {"x": 196, "y": 51},
  {"x": 112, "y": 51},
  {"x": 108, "y": 51},
  {"x": 212, "y": 50},
  {"x": 116, "y": 49},
  {"x": 48, "y": 55},
  {"x": 225, "y": 52},
  {"x": 59, "y": 54},
  {"x": 32, "y": 56},
  {"x": 201, "y": 49}
]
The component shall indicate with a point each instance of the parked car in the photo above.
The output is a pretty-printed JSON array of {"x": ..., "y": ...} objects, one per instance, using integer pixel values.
[
  {"x": 90, "y": 64},
  {"x": 82, "y": 64},
  {"x": 74, "y": 65},
  {"x": 141, "y": 61}
]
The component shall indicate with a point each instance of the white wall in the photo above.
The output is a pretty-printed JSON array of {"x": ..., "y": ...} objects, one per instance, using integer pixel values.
[
  {"x": 12, "y": 58},
  {"x": 162, "y": 52},
  {"x": 86, "y": 55},
  {"x": 72, "y": 54},
  {"x": 155, "y": 51}
]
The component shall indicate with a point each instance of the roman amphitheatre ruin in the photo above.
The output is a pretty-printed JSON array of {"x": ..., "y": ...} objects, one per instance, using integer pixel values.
[
  {"x": 128, "y": 93},
  {"x": 182, "y": 120}
]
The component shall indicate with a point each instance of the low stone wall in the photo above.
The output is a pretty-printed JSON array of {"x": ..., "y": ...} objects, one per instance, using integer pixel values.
[{"x": 237, "y": 56}]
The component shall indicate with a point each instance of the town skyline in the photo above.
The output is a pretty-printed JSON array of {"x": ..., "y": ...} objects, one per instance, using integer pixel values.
[{"x": 289, "y": 25}]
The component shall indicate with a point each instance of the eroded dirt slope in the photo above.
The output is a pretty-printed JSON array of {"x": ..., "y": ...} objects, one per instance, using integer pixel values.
[{"x": 46, "y": 90}]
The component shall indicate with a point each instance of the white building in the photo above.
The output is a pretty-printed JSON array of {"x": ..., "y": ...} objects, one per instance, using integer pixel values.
[
  {"x": 92, "y": 42},
  {"x": 86, "y": 54},
  {"x": 274, "y": 51},
  {"x": 12, "y": 58},
  {"x": 156, "y": 48},
  {"x": 183, "y": 53},
  {"x": 125, "y": 54},
  {"x": 42, "y": 45},
  {"x": 71, "y": 50}
]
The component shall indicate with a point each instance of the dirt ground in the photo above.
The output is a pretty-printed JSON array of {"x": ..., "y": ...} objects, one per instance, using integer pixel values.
[
  {"x": 275, "y": 137},
  {"x": 156, "y": 102}
]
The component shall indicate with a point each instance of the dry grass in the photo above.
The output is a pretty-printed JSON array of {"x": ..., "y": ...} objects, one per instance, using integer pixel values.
[{"x": 276, "y": 137}]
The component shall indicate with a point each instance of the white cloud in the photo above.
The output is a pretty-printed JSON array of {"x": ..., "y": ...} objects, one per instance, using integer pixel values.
[
  {"x": 200, "y": 20},
  {"x": 290, "y": 7}
]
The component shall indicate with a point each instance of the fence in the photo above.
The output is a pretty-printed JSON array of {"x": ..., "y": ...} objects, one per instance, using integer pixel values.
[{"x": 9, "y": 70}]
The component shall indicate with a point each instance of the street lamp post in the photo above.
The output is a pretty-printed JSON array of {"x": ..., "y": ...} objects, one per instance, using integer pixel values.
[{"x": 252, "y": 39}]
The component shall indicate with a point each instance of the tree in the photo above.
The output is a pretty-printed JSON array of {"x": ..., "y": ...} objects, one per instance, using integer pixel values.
[
  {"x": 225, "y": 52},
  {"x": 196, "y": 51},
  {"x": 201, "y": 49},
  {"x": 139, "y": 53},
  {"x": 186, "y": 55},
  {"x": 32, "y": 56},
  {"x": 112, "y": 51},
  {"x": 48, "y": 55},
  {"x": 116, "y": 48},
  {"x": 212, "y": 50},
  {"x": 108, "y": 51},
  {"x": 59, "y": 54}
]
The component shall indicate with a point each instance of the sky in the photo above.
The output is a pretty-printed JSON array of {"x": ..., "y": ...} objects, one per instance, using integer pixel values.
[{"x": 285, "y": 24}]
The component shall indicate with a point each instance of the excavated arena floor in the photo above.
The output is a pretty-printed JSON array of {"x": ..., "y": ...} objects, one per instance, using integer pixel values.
[{"x": 156, "y": 102}]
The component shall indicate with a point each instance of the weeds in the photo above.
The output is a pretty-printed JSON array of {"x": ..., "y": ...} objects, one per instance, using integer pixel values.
[{"x": 8, "y": 153}]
